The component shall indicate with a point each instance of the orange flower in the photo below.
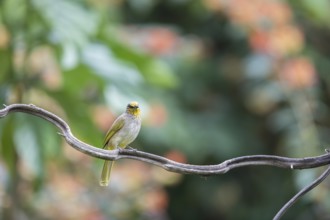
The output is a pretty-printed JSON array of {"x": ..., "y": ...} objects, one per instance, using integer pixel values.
[
  {"x": 157, "y": 116},
  {"x": 4, "y": 37},
  {"x": 244, "y": 12},
  {"x": 298, "y": 73},
  {"x": 161, "y": 41},
  {"x": 103, "y": 117},
  {"x": 279, "y": 41},
  {"x": 277, "y": 12},
  {"x": 285, "y": 40},
  {"x": 259, "y": 41},
  {"x": 176, "y": 156},
  {"x": 155, "y": 201},
  {"x": 214, "y": 5}
]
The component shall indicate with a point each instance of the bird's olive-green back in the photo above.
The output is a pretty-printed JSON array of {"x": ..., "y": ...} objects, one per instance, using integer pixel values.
[{"x": 116, "y": 126}]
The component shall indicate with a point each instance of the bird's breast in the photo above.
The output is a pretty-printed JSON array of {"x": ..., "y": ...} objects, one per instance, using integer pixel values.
[{"x": 127, "y": 133}]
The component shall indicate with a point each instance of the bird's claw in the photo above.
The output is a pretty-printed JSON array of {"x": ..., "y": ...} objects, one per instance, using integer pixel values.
[
  {"x": 61, "y": 134},
  {"x": 131, "y": 148}
]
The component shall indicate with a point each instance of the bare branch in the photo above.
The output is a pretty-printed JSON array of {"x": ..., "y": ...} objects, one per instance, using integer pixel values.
[
  {"x": 170, "y": 165},
  {"x": 301, "y": 193}
]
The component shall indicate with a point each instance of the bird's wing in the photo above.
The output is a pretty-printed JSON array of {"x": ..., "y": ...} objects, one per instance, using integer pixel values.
[{"x": 116, "y": 126}]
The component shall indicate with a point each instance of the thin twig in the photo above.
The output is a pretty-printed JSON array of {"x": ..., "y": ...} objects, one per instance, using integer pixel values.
[
  {"x": 301, "y": 193},
  {"x": 170, "y": 165}
]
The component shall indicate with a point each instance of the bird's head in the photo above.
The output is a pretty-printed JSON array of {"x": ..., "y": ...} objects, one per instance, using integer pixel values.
[{"x": 133, "y": 108}]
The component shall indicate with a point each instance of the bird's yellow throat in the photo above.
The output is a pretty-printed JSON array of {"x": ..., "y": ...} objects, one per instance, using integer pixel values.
[{"x": 133, "y": 109}]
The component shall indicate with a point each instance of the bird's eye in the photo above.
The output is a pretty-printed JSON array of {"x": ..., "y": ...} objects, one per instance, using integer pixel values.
[{"x": 132, "y": 106}]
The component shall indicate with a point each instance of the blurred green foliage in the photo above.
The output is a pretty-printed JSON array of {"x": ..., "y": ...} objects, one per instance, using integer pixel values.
[{"x": 215, "y": 79}]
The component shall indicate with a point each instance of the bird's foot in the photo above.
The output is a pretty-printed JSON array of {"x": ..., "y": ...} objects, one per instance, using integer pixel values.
[{"x": 131, "y": 148}]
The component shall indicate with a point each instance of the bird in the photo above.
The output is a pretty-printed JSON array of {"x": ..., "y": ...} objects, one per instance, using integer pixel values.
[{"x": 122, "y": 132}]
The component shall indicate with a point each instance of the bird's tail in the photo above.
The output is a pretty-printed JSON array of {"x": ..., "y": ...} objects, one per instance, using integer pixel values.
[{"x": 105, "y": 176}]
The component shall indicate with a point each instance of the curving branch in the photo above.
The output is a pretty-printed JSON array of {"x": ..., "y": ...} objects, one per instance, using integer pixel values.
[
  {"x": 170, "y": 165},
  {"x": 302, "y": 192}
]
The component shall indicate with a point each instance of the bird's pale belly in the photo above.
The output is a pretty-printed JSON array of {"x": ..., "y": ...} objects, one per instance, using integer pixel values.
[{"x": 125, "y": 136}]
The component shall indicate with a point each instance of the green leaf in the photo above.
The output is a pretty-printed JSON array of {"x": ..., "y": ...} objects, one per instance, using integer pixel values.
[
  {"x": 80, "y": 81},
  {"x": 78, "y": 116},
  {"x": 27, "y": 146},
  {"x": 7, "y": 145},
  {"x": 101, "y": 60},
  {"x": 317, "y": 10},
  {"x": 70, "y": 21},
  {"x": 155, "y": 71}
]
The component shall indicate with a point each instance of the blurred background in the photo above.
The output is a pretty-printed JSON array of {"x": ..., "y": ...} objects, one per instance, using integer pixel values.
[{"x": 215, "y": 79}]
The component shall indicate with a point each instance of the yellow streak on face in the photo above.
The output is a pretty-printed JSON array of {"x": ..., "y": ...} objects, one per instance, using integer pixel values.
[{"x": 133, "y": 108}]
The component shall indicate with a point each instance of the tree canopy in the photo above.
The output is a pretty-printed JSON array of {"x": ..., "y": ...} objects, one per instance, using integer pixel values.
[{"x": 215, "y": 79}]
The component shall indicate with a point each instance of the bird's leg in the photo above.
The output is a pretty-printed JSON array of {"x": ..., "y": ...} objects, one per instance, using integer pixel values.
[
  {"x": 120, "y": 149},
  {"x": 131, "y": 148}
]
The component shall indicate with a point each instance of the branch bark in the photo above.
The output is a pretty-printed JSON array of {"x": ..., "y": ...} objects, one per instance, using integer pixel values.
[
  {"x": 301, "y": 193},
  {"x": 170, "y": 165}
]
